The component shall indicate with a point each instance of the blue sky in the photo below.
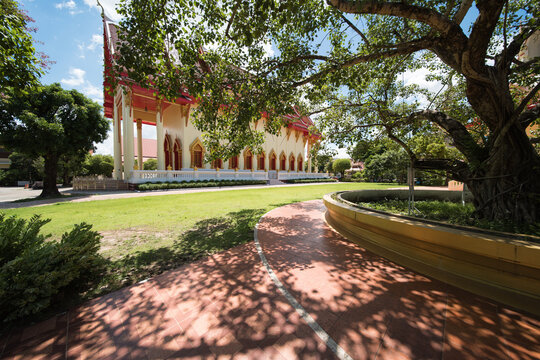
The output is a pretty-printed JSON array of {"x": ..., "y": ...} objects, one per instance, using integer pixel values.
[{"x": 71, "y": 33}]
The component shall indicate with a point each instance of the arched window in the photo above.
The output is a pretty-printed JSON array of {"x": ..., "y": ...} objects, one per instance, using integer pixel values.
[
  {"x": 282, "y": 162},
  {"x": 248, "y": 160},
  {"x": 177, "y": 155},
  {"x": 273, "y": 160},
  {"x": 233, "y": 162},
  {"x": 260, "y": 161},
  {"x": 300, "y": 163},
  {"x": 217, "y": 164},
  {"x": 197, "y": 154},
  {"x": 291, "y": 162},
  {"x": 167, "y": 151}
]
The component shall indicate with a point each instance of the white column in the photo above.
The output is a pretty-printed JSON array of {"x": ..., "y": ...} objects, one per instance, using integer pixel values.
[
  {"x": 241, "y": 161},
  {"x": 160, "y": 138},
  {"x": 309, "y": 156},
  {"x": 139, "y": 145},
  {"x": 127, "y": 116},
  {"x": 117, "y": 145},
  {"x": 267, "y": 162}
]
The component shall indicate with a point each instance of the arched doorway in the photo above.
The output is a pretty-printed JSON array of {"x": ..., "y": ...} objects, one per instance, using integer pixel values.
[
  {"x": 177, "y": 155},
  {"x": 233, "y": 162},
  {"x": 291, "y": 162},
  {"x": 260, "y": 161},
  {"x": 197, "y": 154},
  {"x": 273, "y": 161},
  {"x": 248, "y": 160},
  {"x": 300, "y": 163},
  {"x": 217, "y": 164},
  {"x": 282, "y": 162},
  {"x": 167, "y": 151}
]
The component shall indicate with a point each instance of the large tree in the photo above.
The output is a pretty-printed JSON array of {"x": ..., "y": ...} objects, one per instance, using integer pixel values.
[
  {"x": 201, "y": 46},
  {"x": 53, "y": 123}
]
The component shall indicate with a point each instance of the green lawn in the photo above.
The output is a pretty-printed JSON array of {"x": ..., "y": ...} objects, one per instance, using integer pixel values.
[
  {"x": 147, "y": 235},
  {"x": 173, "y": 212}
]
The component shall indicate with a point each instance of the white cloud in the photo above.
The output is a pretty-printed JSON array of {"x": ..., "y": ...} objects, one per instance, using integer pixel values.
[
  {"x": 77, "y": 80},
  {"x": 109, "y": 6},
  {"x": 93, "y": 92},
  {"x": 66, "y": 5},
  {"x": 149, "y": 132},
  {"x": 342, "y": 154},
  {"x": 81, "y": 48},
  {"x": 107, "y": 146},
  {"x": 97, "y": 40},
  {"x": 69, "y": 5},
  {"x": 269, "y": 51},
  {"x": 418, "y": 77},
  {"x": 76, "y": 77}
]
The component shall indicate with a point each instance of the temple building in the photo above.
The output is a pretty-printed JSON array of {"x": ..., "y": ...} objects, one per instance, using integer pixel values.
[{"x": 179, "y": 147}]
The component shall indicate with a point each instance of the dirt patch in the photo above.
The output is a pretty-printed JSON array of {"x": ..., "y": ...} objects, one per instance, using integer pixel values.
[{"x": 114, "y": 240}]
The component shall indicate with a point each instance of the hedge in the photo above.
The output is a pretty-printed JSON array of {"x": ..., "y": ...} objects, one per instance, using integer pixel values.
[
  {"x": 306, "y": 181},
  {"x": 196, "y": 184}
]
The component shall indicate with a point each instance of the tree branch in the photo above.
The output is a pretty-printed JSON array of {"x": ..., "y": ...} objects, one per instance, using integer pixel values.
[
  {"x": 526, "y": 100},
  {"x": 231, "y": 19},
  {"x": 458, "y": 169},
  {"x": 294, "y": 60},
  {"x": 352, "y": 26},
  {"x": 481, "y": 33},
  {"x": 401, "y": 143},
  {"x": 463, "y": 10},
  {"x": 528, "y": 116},
  {"x": 400, "y": 9},
  {"x": 463, "y": 140},
  {"x": 401, "y": 49},
  {"x": 507, "y": 56}
]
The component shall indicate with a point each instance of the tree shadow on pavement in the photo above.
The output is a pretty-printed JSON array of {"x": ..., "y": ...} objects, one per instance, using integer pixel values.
[{"x": 206, "y": 237}]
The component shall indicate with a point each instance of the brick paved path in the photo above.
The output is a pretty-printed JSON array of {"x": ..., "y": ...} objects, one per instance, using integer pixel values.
[{"x": 227, "y": 306}]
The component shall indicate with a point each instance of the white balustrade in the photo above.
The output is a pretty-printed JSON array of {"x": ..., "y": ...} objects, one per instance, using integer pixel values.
[
  {"x": 142, "y": 176},
  {"x": 282, "y": 175}
]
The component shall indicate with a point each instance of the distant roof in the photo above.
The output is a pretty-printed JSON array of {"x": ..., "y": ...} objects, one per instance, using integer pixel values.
[{"x": 149, "y": 147}]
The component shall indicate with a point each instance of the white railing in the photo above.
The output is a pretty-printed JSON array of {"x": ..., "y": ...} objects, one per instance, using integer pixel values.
[
  {"x": 282, "y": 175},
  {"x": 142, "y": 176}
]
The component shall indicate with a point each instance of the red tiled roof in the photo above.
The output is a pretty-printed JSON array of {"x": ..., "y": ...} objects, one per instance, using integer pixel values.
[{"x": 110, "y": 34}]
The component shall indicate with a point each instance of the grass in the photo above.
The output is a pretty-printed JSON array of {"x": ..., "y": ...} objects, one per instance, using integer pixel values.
[
  {"x": 453, "y": 213},
  {"x": 61, "y": 196},
  {"x": 144, "y": 236}
]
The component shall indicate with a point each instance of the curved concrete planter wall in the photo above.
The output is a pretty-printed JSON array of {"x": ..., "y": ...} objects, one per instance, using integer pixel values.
[{"x": 504, "y": 268}]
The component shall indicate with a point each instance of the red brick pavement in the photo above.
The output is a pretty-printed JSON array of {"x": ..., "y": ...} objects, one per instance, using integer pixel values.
[{"x": 226, "y": 306}]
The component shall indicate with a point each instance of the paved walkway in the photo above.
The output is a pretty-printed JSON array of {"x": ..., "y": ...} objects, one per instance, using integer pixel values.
[{"x": 337, "y": 301}]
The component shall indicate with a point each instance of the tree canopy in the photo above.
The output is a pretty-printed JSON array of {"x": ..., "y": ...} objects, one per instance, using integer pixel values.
[
  {"x": 340, "y": 165},
  {"x": 19, "y": 64},
  {"x": 53, "y": 123},
  {"x": 344, "y": 57}
]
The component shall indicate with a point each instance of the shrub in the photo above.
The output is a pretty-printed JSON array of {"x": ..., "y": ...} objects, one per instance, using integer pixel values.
[
  {"x": 36, "y": 272},
  {"x": 306, "y": 181},
  {"x": 196, "y": 184}
]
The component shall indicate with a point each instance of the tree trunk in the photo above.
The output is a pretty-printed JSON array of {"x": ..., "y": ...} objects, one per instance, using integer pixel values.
[
  {"x": 65, "y": 176},
  {"x": 506, "y": 187},
  {"x": 49, "y": 181},
  {"x": 505, "y": 184}
]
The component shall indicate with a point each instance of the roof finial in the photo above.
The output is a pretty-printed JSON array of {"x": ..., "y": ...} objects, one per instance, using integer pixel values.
[{"x": 102, "y": 10}]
